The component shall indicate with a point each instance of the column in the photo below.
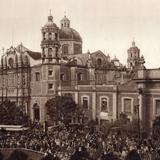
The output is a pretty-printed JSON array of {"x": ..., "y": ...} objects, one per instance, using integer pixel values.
[
  {"x": 94, "y": 105},
  {"x": 140, "y": 97},
  {"x": 114, "y": 109}
]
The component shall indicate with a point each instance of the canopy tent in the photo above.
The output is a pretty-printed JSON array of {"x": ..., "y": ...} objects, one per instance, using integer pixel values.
[{"x": 13, "y": 127}]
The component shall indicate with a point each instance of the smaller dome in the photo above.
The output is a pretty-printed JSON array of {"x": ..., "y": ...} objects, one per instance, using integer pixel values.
[
  {"x": 65, "y": 22},
  {"x": 115, "y": 59},
  {"x": 65, "y": 19},
  {"x": 50, "y": 23},
  {"x": 133, "y": 48}
]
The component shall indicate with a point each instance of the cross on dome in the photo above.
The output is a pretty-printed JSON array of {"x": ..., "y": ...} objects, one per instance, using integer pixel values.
[
  {"x": 50, "y": 17},
  {"x": 133, "y": 43}
]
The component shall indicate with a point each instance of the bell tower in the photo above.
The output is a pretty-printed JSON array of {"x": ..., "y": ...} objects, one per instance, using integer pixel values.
[
  {"x": 134, "y": 60},
  {"x": 50, "y": 57},
  {"x": 50, "y": 42}
]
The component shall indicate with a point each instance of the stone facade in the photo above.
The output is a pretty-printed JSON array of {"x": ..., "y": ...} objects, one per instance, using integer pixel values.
[{"x": 101, "y": 85}]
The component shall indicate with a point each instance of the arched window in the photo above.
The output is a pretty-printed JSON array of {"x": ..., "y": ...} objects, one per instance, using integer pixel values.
[
  {"x": 79, "y": 77},
  {"x": 10, "y": 62},
  {"x": 50, "y": 53},
  {"x": 56, "y": 54},
  {"x": 104, "y": 104},
  {"x": 43, "y": 52},
  {"x": 36, "y": 111},
  {"x": 65, "y": 49},
  {"x": 50, "y": 72},
  {"x": 62, "y": 77},
  {"x": 85, "y": 101},
  {"x": 44, "y": 35},
  {"x": 77, "y": 49},
  {"x": 99, "y": 61},
  {"x": 50, "y": 86},
  {"x": 26, "y": 60},
  {"x": 157, "y": 107},
  {"x": 50, "y": 36},
  {"x": 37, "y": 76},
  {"x": 56, "y": 36}
]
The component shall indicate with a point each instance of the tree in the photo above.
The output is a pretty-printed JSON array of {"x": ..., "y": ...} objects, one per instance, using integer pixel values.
[
  {"x": 61, "y": 108},
  {"x": 10, "y": 114}
]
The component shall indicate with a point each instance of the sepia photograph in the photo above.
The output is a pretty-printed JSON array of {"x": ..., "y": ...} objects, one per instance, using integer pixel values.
[{"x": 79, "y": 80}]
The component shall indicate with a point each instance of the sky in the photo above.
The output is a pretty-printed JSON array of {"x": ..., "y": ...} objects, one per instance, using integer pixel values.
[{"x": 106, "y": 25}]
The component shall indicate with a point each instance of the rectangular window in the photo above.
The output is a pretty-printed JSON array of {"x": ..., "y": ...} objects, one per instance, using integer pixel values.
[
  {"x": 37, "y": 75},
  {"x": 50, "y": 72},
  {"x": 157, "y": 107},
  {"x": 50, "y": 86},
  {"x": 85, "y": 102},
  {"x": 127, "y": 105},
  {"x": 104, "y": 105}
]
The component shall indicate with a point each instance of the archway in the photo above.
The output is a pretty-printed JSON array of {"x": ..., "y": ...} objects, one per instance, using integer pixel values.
[{"x": 36, "y": 112}]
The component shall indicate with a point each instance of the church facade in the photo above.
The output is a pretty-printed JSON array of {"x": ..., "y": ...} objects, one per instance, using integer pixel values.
[{"x": 102, "y": 86}]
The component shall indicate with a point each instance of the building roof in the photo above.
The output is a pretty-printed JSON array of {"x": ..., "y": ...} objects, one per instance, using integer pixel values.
[
  {"x": 82, "y": 59},
  {"x": 34, "y": 55},
  {"x": 21, "y": 48}
]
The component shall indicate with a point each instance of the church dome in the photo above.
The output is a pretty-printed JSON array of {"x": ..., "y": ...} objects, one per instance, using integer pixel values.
[
  {"x": 67, "y": 33},
  {"x": 134, "y": 48}
]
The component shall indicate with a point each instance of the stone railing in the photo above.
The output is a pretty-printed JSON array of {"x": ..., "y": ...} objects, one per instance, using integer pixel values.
[{"x": 149, "y": 74}]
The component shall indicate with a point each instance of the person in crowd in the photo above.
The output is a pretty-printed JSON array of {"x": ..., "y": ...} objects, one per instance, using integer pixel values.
[{"x": 79, "y": 143}]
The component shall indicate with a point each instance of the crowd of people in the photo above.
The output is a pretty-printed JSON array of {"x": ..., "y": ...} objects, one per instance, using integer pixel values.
[{"x": 76, "y": 142}]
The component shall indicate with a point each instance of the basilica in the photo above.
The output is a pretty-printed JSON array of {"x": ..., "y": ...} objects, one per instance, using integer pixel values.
[{"x": 102, "y": 86}]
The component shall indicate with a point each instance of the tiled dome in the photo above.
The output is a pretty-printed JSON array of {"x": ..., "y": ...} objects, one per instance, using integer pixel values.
[{"x": 69, "y": 34}]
